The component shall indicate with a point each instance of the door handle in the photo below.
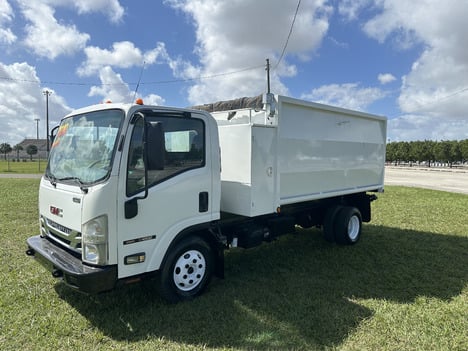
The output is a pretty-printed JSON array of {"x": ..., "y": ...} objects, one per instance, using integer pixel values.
[{"x": 203, "y": 202}]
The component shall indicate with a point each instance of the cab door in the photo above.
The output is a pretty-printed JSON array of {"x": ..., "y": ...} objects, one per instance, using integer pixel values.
[{"x": 178, "y": 194}]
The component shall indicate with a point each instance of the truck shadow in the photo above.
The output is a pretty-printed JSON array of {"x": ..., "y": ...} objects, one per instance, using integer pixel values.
[{"x": 298, "y": 293}]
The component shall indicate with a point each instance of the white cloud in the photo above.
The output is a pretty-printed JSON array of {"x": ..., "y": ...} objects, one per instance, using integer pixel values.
[
  {"x": 349, "y": 95},
  {"x": 22, "y": 101},
  {"x": 50, "y": 37},
  {"x": 232, "y": 36},
  {"x": 435, "y": 89},
  {"x": 6, "y": 12},
  {"x": 412, "y": 127},
  {"x": 111, "y": 8},
  {"x": 436, "y": 24},
  {"x": 385, "y": 78},
  {"x": 124, "y": 54},
  {"x": 114, "y": 88},
  {"x": 46, "y": 36},
  {"x": 351, "y": 8},
  {"x": 436, "y": 85},
  {"x": 6, "y": 16},
  {"x": 339, "y": 44}
]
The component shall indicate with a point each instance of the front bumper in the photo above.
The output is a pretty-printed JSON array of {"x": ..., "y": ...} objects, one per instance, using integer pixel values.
[{"x": 74, "y": 273}]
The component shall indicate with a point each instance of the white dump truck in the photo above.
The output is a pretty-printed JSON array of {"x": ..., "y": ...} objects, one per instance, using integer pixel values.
[{"x": 134, "y": 191}]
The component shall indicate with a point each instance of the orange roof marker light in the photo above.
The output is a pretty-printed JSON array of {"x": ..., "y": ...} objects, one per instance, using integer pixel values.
[
  {"x": 108, "y": 102},
  {"x": 139, "y": 101}
]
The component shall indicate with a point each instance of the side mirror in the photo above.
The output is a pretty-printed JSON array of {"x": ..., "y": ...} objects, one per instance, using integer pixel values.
[
  {"x": 155, "y": 146},
  {"x": 52, "y": 135},
  {"x": 154, "y": 151}
]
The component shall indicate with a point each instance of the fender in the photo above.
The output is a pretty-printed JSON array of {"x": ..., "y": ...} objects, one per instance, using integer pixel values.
[{"x": 208, "y": 231}]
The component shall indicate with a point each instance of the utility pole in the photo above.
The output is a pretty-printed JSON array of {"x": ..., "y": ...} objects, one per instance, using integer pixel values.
[
  {"x": 47, "y": 93},
  {"x": 37, "y": 127},
  {"x": 268, "y": 75}
]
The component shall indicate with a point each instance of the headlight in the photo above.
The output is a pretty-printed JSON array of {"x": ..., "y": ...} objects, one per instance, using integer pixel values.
[{"x": 95, "y": 238}]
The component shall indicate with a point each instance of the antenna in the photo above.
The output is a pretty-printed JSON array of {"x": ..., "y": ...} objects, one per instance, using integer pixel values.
[{"x": 139, "y": 79}]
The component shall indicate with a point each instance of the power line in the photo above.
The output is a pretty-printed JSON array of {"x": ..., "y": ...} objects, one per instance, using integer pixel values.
[
  {"x": 421, "y": 107},
  {"x": 204, "y": 77},
  {"x": 289, "y": 35},
  {"x": 170, "y": 81},
  {"x": 167, "y": 81}
]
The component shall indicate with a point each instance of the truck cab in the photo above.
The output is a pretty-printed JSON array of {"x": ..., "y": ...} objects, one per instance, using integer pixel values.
[{"x": 122, "y": 182}]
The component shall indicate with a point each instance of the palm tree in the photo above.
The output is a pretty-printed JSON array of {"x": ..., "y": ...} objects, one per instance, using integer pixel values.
[
  {"x": 5, "y": 149},
  {"x": 17, "y": 148}
]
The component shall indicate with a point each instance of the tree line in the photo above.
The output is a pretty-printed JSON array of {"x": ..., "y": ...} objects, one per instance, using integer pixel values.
[
  {"x": 428, "y": 152},
  {"x": 6, "y": 148}
]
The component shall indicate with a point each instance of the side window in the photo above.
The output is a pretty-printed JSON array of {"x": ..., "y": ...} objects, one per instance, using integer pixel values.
[{"x": 184, "y": 140}]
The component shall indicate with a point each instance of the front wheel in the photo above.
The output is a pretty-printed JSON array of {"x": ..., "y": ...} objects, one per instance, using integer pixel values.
[
  {"x": 348, "y": 226},
  {"x": 187, "y": 270}
]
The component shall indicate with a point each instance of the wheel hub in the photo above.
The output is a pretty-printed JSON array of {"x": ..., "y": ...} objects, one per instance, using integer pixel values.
[
  {"x": 189, "y": 270},
  {"x": 353, "y": 227}
]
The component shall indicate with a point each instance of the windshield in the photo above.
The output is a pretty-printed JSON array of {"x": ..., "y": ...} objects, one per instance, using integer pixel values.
[{"x": 83, "y": 147}]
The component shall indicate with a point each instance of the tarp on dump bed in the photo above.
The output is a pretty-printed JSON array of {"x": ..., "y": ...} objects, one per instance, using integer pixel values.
[{"x": 255, "y": 102}]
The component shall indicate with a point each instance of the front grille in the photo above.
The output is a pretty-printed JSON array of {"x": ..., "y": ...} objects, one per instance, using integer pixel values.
[
  {"x": 56, "y": 237},
  {"x": 61, "y": 234},
  {"x": 59, "y": 227}
]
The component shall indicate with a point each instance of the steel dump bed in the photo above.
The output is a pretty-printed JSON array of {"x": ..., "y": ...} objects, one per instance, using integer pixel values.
[{"x": 297, "y": 151}]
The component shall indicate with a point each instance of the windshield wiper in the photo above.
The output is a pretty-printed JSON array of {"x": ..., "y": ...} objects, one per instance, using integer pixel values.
[
  {"x": 78, "y": 181},
  {"x": 52, "y": 179}
]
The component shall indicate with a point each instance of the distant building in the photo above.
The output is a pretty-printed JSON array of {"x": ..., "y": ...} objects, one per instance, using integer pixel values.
[{"x": 41, "y": 149}]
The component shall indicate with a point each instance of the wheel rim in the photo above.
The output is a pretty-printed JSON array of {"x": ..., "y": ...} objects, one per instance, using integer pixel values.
[
  {"x": 353, "y": 228},
  {"x": 189, "y": 270}
]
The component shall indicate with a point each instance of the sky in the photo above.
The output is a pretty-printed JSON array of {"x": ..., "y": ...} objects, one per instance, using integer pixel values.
[{"x": 406, "y": 60}]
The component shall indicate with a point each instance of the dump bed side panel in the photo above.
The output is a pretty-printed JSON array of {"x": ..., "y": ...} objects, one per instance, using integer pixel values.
[{"x": 325, "y": 151}]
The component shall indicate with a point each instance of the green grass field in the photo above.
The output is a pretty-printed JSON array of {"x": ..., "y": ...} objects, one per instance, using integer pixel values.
[
  {"x": 402, "y": 287},
  {"x": 30, "y": 167}
]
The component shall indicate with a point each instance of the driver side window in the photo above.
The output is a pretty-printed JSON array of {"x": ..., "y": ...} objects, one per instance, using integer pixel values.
[{"x": 184, "y": 149}]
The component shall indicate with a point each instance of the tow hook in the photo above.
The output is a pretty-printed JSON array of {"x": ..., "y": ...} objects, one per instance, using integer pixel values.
[
  {"x": 56, "y": 273},
  {"x": 30, "y": 252}
]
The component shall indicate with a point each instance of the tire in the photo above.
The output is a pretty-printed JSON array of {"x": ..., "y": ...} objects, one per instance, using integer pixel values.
[
  {"x": 187, "y": 270},
  {"x": 348, "y": 226},
  {"x": 329, "y": 223}
]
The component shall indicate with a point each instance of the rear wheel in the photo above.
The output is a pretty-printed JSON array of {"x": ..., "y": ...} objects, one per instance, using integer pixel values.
[
  {"x": 329, "y": 223},
  {"x": 187, "y": 270},
  {"x": 348, "y": 225}
]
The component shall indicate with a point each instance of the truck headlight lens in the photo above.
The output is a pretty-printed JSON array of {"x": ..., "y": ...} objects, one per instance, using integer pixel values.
[{"x": 95, "y": 239}]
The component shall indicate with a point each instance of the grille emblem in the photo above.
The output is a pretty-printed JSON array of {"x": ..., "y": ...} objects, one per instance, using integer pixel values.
[{"x": 56, "y": 211}]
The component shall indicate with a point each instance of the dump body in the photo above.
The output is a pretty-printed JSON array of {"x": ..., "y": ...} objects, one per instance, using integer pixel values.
[{"x": 304, "y": 151}]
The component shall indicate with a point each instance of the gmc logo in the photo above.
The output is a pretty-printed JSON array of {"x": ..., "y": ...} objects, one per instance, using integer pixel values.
[{"x": 56, "y": 211}]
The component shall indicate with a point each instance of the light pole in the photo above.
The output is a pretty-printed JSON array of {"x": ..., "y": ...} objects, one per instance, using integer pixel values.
[
  {"x": 47, "y": 93},
  {"x": 37, "y": 127}
]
